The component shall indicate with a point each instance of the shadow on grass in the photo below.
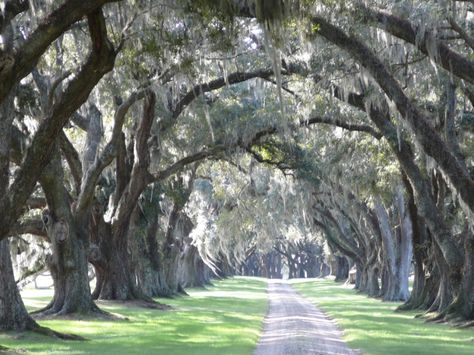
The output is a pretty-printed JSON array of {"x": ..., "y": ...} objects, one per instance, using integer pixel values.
[
  {"x": 223, "y": 319},
  {"x": 375, "y": 328}
]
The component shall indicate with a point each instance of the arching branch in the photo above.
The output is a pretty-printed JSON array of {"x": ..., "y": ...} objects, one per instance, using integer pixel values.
[
  {"x": 200, "y": 89},
  {"x": 100, "y": 61},
  {"x": 459, "y": 65},
  {"x": 429, "y": 139}
]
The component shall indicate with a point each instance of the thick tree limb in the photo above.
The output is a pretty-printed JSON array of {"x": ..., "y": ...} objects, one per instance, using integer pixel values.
[
  {"x": 180, "y": 164},
  {"x": 81, "y": 121},
  {"x": 54, "y": 86},
  {"x": 30, "y": 226},
  {"x": 12, "y": 9},
  {"x": 106, "y": 157},
  {"x": 200, "y": 89},
  {"x": 36, "y": 202},
  {"x": 25, "y": 59},
  {"x": 464, "y": 35},
  {"x": 459, "y": 65},
  {"x": 100, "y": 61},
  {"x": 138, "y": 179},
  {"x": 72, "y": 158},
  {"x": 429, "y": 139}
]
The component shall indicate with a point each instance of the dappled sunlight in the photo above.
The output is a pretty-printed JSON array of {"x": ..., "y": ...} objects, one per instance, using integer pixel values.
[
  {"x": 225, "y": 318},
  {"x": 374, "y": 327},
  {"x": 230, "y": 294}
]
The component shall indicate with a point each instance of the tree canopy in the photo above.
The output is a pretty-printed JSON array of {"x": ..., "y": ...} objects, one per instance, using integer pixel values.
[{"x": 158, "y": 143}]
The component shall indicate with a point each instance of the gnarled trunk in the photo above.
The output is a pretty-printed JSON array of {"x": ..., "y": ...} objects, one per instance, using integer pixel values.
[
  {"x": 147, "y": 262},
  {"x": 70, "y": 246},
  {"x": 462, "y": 308},
  {"x": 117, "y": 281},
  {"x": 192, "y": 270},
  {"x": 13, "y": 314}
]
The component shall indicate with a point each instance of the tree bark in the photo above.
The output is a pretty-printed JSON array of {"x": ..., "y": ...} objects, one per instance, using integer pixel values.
[
  {"x": 342, "y": 269},
  {"x": 13, "y": 314},
  {"x": 429, "y": 139},
  {"x": 70, "y": 247},
  {"x": 100, "y": 61}
]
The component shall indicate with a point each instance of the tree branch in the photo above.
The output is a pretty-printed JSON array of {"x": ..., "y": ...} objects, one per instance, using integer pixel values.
[
  {"x": 11, "y": 10},
  {"x": 459, "y": 65},
  {"x": 347, "y": 126},
  {"x": 464, "y": 35},
  {"x": 429, "y": 139},
  {"x": 72, "y": 158},
  {"x": 200, "y": 89},
  {"x": 180, "y": 164},
  {"x": 25, "y": 59},
  {"x": 109, "y": 152},
  {"x": 100, "y": 61},
  {"x": 30, "y": 226}
]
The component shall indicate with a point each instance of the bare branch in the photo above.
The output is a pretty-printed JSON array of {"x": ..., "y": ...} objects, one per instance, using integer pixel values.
[
  {"x": 342, "y": 124},
  {"x": 200, "y": 89},
  {"x": 464, "y": 35},
  {"x": 30, "y": 226},
  {"x": 72, "y": 158},
  {"x": 12, "y": 8},
  {"x": 54, "y": 86},
  {"x": 459, "y": 65},
  {"x": 54, "y": 25},
  {"x": 180, "y": 164}
]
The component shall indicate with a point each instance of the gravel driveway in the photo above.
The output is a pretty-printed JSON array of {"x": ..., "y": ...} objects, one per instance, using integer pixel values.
[{"x": 294, "y": 326}]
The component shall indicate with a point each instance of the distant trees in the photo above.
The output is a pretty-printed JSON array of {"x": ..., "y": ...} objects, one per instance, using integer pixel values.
[{"x": 222, "y": 137}]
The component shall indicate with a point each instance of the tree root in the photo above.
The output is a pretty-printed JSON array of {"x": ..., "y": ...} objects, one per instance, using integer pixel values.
[
  {"x": 181, "y": 291},
  {"x": 52, "y": 333},
  {"x": 143, "y": 303},
  {"x": 94, "y": 312},
  {"x": 467, "y": 324}
]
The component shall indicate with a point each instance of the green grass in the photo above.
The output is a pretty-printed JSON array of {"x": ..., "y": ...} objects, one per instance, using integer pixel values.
[
  {"x": 223, "y": 319},
  {"x": 373, "y": 327}
]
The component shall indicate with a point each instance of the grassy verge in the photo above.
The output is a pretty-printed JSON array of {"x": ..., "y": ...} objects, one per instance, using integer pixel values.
[
  {"x": 373, "y": 327},
  {"x": 223, "y": 319}
]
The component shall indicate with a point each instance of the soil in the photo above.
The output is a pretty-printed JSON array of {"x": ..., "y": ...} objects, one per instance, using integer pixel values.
[{"x": 294, "y": 326}]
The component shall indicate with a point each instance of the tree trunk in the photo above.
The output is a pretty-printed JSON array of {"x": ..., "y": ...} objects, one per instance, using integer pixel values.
[
  {"x": 372, "y": 286},
  {"x": 146, "y": 259},
  {"x": 363, "y": 278},
  {"x": 419, "y": 240},
  {"x": 70, "y": 247},
  {"x": 117, "y": 277},
  {"x": 193, "y": 272},
  {"x": 342, "y": 268},
  {"x": 13, "y": 314},
  {"x": 462, "y": 309}
]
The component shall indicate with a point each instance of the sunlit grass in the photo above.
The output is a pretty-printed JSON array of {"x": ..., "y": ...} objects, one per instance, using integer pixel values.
[
  {"x": 223, "y": 319},
  {"x": 373, "y": 327}
]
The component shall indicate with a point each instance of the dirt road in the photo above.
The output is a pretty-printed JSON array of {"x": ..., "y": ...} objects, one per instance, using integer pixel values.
[{"x": 294, "y": 326}]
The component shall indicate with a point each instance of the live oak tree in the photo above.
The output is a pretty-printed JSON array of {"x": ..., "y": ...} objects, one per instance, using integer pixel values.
[{"x": 238, "y": 83}]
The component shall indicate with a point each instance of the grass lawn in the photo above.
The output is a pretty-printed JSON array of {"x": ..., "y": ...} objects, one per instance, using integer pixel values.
[
  {"x": 223, "y": 319},
  {"x": 373, "y": 327}
]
